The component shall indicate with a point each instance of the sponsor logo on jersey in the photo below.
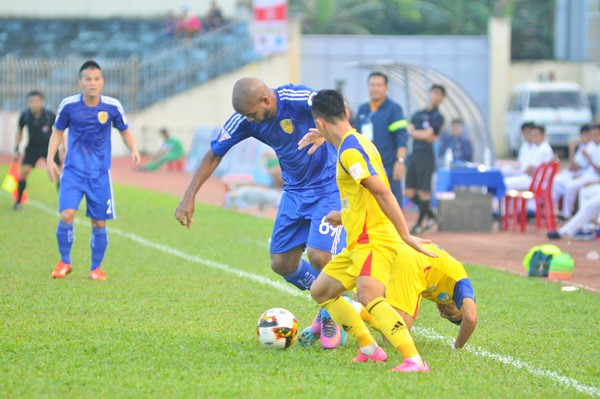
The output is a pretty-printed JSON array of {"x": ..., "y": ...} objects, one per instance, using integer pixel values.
[
  {"x": 224, "y": 135},
  {"x": 356, "y": 171},
  {"x": 102, "y": 117},
  {"x": 287, "y": 126},
  {"x": 443, "y": 296}
]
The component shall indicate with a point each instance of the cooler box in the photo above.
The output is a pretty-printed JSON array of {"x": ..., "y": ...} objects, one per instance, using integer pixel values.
[
  {"x": 561, "y": 267},
  {"x": 464, "y": 211}
]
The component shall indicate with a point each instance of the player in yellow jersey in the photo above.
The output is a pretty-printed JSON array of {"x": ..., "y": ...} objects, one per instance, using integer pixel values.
[
  {"x": 442, "y": 280},
  {"x": 374, "y": 224}
]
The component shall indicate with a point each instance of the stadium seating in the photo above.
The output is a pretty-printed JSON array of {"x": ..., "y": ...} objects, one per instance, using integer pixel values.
[{"x": 44, "y": 53}]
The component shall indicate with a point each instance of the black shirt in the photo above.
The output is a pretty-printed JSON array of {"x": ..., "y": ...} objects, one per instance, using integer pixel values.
[
  {"x": 39, "y": 129},
  {"x": 424, "y": 119}
]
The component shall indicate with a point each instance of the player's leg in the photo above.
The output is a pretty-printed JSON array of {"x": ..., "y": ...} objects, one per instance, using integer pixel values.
[
  {"x": 407, "y": 282},
  {"x": 326, "y": 291},
  {"x": 323, "y": 241},
  {"x": 372, "y": 269},
  {"x": 410, "y": 191},
  {"x": 100, "y": 207},
  {"x": 425, "y": 174},
  {"x": 69, "y": 197},
  {"x": 288, "y": 240},
  {"x": 29, "y": 160}
]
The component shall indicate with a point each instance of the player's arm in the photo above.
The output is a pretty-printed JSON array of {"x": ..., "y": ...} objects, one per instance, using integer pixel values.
[
  {"x": 468, "y": 323},
  {"x": 129, "y": 141},
  {"x": 389, "y": 205},
  {"x": 185, "y": 210},
  {"x": 56, "y": 140},
  {"x": 18, "y": 139}
]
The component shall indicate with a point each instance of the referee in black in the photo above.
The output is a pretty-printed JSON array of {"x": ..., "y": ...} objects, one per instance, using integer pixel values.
[
  {"x": 424, "y": 128},
  {"x": 39, "y": 123}
]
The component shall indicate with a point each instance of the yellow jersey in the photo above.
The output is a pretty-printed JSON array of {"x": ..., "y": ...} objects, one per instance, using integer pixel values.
[{"x": 363, "y": 219}]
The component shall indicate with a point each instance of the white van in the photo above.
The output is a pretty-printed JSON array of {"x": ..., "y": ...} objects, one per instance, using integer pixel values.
[{"x": 562, "y": 107}]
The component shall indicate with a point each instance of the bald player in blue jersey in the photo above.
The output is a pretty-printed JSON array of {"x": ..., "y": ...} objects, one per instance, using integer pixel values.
[
  {"x": 89, "y": 116},
  {"x": 279, "y": 117}
]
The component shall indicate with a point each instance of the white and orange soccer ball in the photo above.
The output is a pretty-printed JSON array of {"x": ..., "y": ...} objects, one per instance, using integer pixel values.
[{"x": 277, "y": 328}]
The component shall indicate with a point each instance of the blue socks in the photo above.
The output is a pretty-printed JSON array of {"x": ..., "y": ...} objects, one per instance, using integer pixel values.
[
  {"x": 303, "y": 276},
  {"x": 98, "y": 244},
  {"x": 65, "y": 236}
]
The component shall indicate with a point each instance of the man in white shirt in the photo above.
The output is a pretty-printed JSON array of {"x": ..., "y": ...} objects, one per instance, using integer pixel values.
[
  {"x": 591, "y": 153},
  {"x": 577, "y": 166},
  {"x": 512, "y": 168},
  {"x": 537, "y": 153}
]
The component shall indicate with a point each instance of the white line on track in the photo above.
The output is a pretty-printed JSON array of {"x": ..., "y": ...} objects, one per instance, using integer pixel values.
[{"x": 427, "y": 333}]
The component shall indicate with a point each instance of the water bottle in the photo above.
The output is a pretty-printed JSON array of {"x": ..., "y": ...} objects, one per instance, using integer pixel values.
[
  {"x": 487, "y": 157},
  {"x": 448, "y": 158}
]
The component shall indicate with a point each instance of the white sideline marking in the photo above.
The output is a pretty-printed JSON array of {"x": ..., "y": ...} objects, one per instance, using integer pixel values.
[{"x": 427, "y": 333}]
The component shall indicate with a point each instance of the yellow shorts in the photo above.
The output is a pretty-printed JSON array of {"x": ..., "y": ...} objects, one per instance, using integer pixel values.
[
  {"x": 416, "y": 275},
  {"x": 363, "y": 260},
  {"x": 407, "y": 282}
]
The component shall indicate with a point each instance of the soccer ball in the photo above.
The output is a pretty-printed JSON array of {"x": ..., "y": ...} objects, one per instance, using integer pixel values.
[{"x": 277, "y": 328}]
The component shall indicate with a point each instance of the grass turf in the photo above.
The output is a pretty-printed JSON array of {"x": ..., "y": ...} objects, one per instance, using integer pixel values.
[{"x": 177, "y": 318}]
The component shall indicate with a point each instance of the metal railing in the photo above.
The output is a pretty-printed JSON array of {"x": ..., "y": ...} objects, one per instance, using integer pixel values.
[{"x": 136, "y": 83}]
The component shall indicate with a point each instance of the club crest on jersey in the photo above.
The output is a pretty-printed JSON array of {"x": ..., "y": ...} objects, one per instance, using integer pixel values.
[
  {"x": 443, "y": 296},
  {"x": 102, "y": 117},
  {"x": 224, "y": 135},
  {"x": 287, "y": 126}
]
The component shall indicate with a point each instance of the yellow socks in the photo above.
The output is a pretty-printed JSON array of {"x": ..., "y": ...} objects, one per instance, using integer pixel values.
[
  {"x": 392, "y": 326},
  {"x": 344, "y": 314}
]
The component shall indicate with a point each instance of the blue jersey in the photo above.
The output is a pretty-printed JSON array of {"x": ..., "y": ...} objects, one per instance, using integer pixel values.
[
  {"x": 89, "y": 146},
  {"x": 309, "y": 175}
]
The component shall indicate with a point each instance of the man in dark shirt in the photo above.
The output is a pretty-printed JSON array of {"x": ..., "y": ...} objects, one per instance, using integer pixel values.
[
  {"x": 39, "y": 127},
  {"x": 424, "y": 128}
]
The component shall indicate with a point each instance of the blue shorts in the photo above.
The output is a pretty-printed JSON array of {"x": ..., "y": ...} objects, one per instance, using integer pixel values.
[
  {"x": 301, "y": 221},
  {"x": 98, "y": 195}
]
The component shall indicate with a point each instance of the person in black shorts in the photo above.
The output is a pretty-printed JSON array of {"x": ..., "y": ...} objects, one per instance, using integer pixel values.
[
  {"x": 39, "y": 123},
  {"x": 424, "y": 128}
]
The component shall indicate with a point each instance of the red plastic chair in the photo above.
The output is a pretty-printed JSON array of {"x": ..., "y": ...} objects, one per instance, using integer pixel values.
[
  {"x": 540, "y": 190},
  {"x": 543, "y": 200}
]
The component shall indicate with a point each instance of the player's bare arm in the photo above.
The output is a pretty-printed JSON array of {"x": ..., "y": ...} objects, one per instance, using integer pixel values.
[
  {"x": 127, "y": 138},
  {"x": 55, "y": 141},
  {"x": 185, "y": 210},
  {"x": 312, "y": 137},
  {"x": 468, "y": 324},
  {"x": 389, "y": 205}
]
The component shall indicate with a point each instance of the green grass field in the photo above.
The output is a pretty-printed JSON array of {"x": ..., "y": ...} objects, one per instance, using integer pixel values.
[{"x": 177, "y": 318}]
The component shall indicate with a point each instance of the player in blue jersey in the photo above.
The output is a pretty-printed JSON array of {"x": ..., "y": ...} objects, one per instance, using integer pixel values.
[
  {"x": 89, "y": 116},
  {"x": 279, "y": 118}
]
